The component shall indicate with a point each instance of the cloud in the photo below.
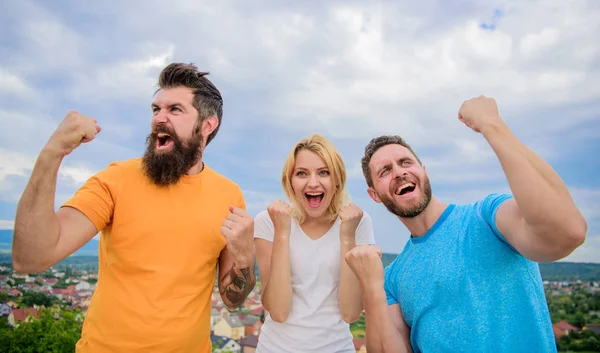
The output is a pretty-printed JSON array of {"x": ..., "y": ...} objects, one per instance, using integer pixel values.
[
  {"x": 14, "y": 85},
  {"x": 6, "y": 224}
]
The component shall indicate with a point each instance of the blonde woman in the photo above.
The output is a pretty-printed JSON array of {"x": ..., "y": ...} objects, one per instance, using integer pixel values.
[{"x": 308, "y": 290}]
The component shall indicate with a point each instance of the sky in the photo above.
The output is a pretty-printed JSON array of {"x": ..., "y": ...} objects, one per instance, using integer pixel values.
[{"x": 350, "y": 70}]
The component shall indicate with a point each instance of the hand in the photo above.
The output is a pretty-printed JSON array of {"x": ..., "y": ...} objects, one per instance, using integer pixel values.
[
  {"x": 281, "y": 216},
  {"x": 479, "y": 113},
  {"x": 74, "y": 130},
  {"x": 350, "y": 216},
  {"x": 238, "y": 230},
  {"x": 365, "y": 262}
]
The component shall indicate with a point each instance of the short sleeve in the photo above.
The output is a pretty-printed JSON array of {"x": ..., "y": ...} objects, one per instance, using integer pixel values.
[
  {"x": 389, "y": 285},
  {"x": 364, "y": 232},
  {"x": 263, "y": 227},
  {"x": 96, "y": 198},
  {"x": 488, "y": 208}
]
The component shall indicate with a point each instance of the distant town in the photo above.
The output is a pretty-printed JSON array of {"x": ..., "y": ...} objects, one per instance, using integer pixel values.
[{"x": 574, "y": 307}]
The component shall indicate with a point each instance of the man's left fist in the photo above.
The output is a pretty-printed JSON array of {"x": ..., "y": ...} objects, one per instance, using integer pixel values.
[
  {"x": 238, "y": 230},
  {"x": 479, "y": 113}
]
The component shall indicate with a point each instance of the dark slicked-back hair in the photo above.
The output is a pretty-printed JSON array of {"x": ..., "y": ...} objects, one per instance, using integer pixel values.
[
  {"x": 374, "y": 145},
  {"x": 207, "y": 98}
]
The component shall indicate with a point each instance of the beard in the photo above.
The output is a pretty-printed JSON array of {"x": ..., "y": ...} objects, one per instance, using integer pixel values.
[
  {"x": 165, "y": 168},
  {"x": 415, "y": 208}
]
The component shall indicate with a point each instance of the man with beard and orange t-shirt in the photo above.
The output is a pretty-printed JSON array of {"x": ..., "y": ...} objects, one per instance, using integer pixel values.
[{"x": 167, "y": 222}]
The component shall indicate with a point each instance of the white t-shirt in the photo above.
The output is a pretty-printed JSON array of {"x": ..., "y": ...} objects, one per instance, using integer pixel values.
[{"x": 314, "y": 323}]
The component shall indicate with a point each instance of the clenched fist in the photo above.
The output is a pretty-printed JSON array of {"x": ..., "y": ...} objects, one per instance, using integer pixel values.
[
  {"x": 281, "y": 216},
  {"x": 365, "y": 262},
  {"x": 238, "y": 230},
  {"x": 350, "y": 216},
  {"x": 74, "y": 130},
  {"x": 479, "y": 113}
]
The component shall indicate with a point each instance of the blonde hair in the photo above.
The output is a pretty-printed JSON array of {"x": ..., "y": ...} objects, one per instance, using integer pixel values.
[{"x": 337, "y": 171}]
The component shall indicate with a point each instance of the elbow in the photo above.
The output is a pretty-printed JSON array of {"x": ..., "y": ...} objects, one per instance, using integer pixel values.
[
  {"x": 350, "y": 317},
  {"x": 279, "y": 316},
  {"x": 27, "y": 267}
]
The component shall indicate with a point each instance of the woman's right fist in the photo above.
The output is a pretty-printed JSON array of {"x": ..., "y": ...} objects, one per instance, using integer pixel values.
[{"x": 281, "y": 216}]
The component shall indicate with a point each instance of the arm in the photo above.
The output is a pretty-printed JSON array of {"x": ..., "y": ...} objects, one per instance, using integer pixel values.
[
  {"x": 386, "y": 330},
  {"x": 542, "y": 222},
  {"x": 42, "y": 237},
  {"x": 349, "y": 294},
  {"x": 236, "y": 278},
  {"x": 275, "y": 275}
]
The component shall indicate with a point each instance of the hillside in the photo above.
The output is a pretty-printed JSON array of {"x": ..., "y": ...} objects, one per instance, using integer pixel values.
[
  {"x": 91, "y": 248},
  {"x": 557, "y": 271}
]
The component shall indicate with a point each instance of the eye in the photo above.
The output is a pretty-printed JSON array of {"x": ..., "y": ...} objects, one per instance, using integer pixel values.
[
  {"x": 155, "y": 110},
  {"x": 384, "y": 172},
  {"x": 406, "y": 163},
  {"x": 175, "y": 109},
  {"x": 324, "y": 172},
  {"x": 300, "y": 173}
]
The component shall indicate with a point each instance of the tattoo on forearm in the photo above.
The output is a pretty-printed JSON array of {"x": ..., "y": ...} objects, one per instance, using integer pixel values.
[{"x": 236, "y": 285}]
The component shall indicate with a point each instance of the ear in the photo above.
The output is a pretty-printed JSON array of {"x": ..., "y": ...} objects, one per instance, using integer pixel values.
[
  {"x": 373, "y": 195},
  {"x": 209, "y": 125}
]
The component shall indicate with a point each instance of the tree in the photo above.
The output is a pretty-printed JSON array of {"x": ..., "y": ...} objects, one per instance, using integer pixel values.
[
  {"x": 46, "y": 334},
  {"x": 31, "y": 298},
  {"x": 3, "y": 297}
]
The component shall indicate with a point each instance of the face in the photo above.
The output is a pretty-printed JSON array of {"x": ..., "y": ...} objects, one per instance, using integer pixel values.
[
  {"x": 400, "y": 182},
  {"x": 312, "y": 183},
  {"x": 175, "y": 143}
]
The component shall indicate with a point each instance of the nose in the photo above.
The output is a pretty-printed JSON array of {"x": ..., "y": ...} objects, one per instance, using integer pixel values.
[
  {"x": 398, "y": 171},
  {"x": 313, "y": 181},
  {"x": 159, "y": 118}
]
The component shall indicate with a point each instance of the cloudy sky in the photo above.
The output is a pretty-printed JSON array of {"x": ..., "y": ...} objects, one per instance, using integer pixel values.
[{"x": 351, "y": 70}]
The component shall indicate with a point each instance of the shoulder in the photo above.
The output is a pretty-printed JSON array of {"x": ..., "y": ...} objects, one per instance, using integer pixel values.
[
  {"x": 263, "y": 226},
  {"x": 220, "y": 179}
]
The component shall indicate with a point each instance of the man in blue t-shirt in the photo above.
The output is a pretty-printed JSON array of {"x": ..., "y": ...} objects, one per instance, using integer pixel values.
[{"x": 467, "y": 279}]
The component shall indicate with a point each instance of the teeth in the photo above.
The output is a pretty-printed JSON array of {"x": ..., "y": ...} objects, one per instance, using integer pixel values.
[
  {"x": 162, "y": 134},
  {"x": 403, "y": 186},
  {"x": 314, "y": 193}
]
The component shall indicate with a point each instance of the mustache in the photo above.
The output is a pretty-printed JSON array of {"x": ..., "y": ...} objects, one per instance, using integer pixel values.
[{"x": 162, "y": 128}]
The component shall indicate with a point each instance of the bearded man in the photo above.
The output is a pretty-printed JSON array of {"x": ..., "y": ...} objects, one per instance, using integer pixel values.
[
  {"x": 467, "y": 279},
  {"x": 167, "y": 222}
]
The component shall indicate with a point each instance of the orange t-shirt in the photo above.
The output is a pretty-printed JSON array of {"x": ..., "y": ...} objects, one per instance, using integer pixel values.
[{"x": 158, "y": 256}]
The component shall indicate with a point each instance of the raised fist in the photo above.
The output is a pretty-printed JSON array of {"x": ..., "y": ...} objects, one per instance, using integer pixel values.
[
  {"x": 350, "y": 216},
  {"x": 238, "y": 230},
  {"x": 365, "y": 262},
  {"x": 281, "y": 216},
  {"x": 478, "y": 113},
  {"x": 74, "y": 130}
]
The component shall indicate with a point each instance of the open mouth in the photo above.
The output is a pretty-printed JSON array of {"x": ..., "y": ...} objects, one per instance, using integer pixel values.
[
  {"x": 314, "y": 199},
  {"x": 405, "y": 189},
  {"x": 163, "y": 141}
]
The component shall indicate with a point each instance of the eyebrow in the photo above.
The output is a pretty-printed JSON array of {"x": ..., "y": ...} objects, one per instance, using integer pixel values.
[
  {"x": 302, "y": 168},
  {"x": 170, "y": 106}
]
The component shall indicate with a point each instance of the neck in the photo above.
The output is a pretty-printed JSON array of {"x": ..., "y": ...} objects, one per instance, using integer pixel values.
[
  {"x": 420, "y": 224},
  {"x": 196, "y": 168}
]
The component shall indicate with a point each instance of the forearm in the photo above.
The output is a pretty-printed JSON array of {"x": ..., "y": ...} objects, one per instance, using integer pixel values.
[
  {"x": 238, "y": 282},
  {"x": 277, "y": 294},
  {"x": 349, "y": 293},
  {"x": 37, "y": 229},
  {"x": 540, "y": 193},
  {"x": 382, "y": 336}
]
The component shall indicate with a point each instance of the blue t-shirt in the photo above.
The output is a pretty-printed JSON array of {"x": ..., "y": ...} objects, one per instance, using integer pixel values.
[{"x": 463, "y": 288}]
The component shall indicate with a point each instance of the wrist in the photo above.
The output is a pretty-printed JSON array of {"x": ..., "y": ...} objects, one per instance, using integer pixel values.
[
  {"x": 244, "y": 260},
  {"x": 50, "y": 152},
  {"x": 493, "y": 129}
]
